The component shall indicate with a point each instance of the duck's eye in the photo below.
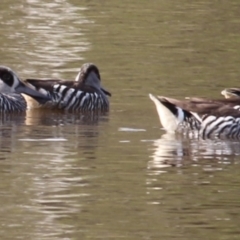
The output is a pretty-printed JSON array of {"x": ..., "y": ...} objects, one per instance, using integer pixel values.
[{"x": 7, "y": 78}]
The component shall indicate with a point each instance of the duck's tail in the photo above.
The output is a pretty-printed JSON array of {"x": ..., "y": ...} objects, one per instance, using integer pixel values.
[{"x": 172, "y": 117}]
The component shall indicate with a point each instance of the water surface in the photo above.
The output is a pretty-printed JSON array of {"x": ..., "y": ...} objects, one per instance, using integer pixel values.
[{"x": 119, "y": 175}]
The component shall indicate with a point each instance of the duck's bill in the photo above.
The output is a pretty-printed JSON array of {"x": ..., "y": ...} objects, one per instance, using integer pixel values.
[
  {"x": 93, "y": 81},
  {"x": 39, "y": 97},
  {"x": 106, "y": 92}
]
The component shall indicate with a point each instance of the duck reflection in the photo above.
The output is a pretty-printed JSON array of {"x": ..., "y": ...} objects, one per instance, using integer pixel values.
[
  {"x": 49, "y": 117},
  {"x": 10, "y": 125},
  {"x": 168, "y": 151},
  {"x": 81, "y": 130},
  {"x": 64, "y": 148},
  {"x": 53, "y": 155},
  {"x": 175, "y": 150}
]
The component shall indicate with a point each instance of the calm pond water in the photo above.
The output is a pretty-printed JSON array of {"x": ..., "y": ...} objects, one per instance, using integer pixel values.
[{"x": 119, "y": 175}]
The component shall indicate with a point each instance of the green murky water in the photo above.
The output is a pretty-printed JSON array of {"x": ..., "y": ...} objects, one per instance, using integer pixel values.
[{"x": 119, "y": 176}]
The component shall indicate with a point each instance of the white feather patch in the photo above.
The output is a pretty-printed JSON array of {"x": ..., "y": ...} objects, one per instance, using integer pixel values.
[
  {"x": 237, "y": 107},
  {"x": 180, "y": 116},
  {"x": 168, "y": 120}
]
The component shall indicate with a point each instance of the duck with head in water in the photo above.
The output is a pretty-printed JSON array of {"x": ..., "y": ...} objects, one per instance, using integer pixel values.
[
  {"x": 11, "y": 88},
  {"x": 209, "y": 117},
  {"x": 83, "y": 94}
]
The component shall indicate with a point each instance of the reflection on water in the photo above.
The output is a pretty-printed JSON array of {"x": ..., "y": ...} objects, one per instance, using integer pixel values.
[
  {"x": 197, "y": 188},
  {"x": 58, "y": 25},
  {"x": 176, "y": 150},
  {"x": 50, "y": 157},
  {"x": 168, "y": 149},
  {"x": 49, "y": 117},
  {"x": 50, "y": 35},
  {"x": 10, "y": 124},
  {"x": 56, "y": 187}
]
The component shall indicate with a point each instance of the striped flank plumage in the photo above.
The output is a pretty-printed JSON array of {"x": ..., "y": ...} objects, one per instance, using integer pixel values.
[
  {"x": 210, "y": 118},
  {"x": 83, "y": 94},
  {"x": 11, "y": 88}
]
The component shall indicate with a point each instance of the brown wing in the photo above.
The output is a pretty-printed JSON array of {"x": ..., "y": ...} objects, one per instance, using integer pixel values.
[
  {"x": 48, "y": 84},
  {"x": 201, "y": 106}
]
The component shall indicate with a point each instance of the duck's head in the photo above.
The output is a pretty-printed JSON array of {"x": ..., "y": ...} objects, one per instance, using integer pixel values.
[
  {"x": 11, "y": 83},
  {"x": 89, "y": 75},
  {"x": 231, "y": 93}
]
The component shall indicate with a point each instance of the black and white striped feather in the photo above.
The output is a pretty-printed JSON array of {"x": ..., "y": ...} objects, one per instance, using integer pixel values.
[
  {"x": 74, "y": 99},
  {"x": 12, "y": 103}
]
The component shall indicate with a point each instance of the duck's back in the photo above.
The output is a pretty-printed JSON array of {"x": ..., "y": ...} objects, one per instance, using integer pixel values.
[
  {"x": 69, "y": 95},
  {"x": 209, "y": 117},
  {"x": 202, "y": 106}
]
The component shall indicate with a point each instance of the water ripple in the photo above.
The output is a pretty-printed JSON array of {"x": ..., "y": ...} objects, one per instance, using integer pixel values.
[
  {"x": 174, "y": 150},
  {"x": 49, "y": 35}
]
